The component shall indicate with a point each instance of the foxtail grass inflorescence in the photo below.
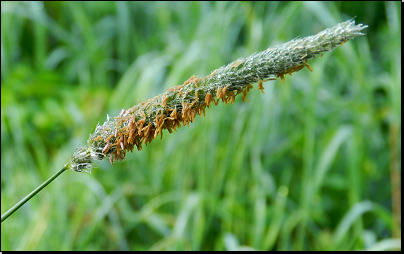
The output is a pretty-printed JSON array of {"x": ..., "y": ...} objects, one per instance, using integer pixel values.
[{"x": 179, "y": 105}]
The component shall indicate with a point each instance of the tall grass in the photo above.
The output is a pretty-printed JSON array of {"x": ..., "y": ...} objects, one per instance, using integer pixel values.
[{"x": 304, "y": 167}]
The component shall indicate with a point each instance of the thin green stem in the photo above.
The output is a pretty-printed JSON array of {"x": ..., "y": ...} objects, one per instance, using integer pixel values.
[{"x": 33, "y": 193}]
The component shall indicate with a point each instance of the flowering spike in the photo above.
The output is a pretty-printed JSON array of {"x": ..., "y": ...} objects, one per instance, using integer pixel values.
[{"x": 180, "y": 104}]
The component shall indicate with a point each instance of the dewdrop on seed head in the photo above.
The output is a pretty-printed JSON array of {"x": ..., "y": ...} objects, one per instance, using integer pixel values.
[{"x": 180, "y": 104}]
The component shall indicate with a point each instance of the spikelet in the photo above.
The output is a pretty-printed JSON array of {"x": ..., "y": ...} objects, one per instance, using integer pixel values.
[{"x": 180, "y": 104}]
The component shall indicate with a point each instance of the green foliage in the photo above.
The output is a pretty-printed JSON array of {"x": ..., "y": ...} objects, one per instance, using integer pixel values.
[{"x": 306, "y": 166}]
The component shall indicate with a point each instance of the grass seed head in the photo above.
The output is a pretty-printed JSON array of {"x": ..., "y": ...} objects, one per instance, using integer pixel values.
[{"x": 180, "y": 104}]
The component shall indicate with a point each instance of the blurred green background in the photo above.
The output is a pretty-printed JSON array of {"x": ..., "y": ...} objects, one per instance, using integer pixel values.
[{"x": 312, "y": 164}]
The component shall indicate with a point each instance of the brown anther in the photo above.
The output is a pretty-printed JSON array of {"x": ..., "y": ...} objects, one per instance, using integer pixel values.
[
  {"x": 164, "y": 101},
  {"x": 223, "y": 95},
  {"x": 219, "y": 93},
  {"x": 244, "y": 96},
  {"x": 208, "y": 99},
  {"x": 110, "y": 159},
  {"x": 98, "y": 138},
  {"x": 211, "y": 74},
  {"x": 308, "y": 66},
  {"x": 106, "y": 148},
  {"x": 260, "y": 87},
  {"x": 343, "y": 42},
  {"x": 236, "y": 63},
  {"x": 174, "y": 113},
  {"x": 232, "y": 97}
]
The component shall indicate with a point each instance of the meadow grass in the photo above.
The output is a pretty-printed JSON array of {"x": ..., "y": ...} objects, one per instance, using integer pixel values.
[{"x": 305, "y": 166}]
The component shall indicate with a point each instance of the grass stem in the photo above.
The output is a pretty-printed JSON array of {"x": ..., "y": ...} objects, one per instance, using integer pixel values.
[{"x": 33, "y": 193}]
